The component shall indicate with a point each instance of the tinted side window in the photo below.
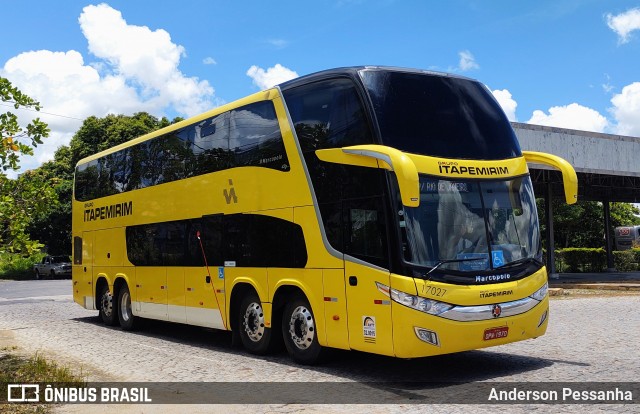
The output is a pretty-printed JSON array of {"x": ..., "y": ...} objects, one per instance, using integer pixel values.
[
  {"x": 209, "y": 145},
  {"x": 86, "y": 181},
  {"x": 255, "y": 240},
  {"x": 366, "y": 230},
  {"x": 330, "y": 114},
  {"x": 255, "y": 137},
  {"x": 143, "y": 248},
  {"x": 250, "y": 240},
  {"x": 247, "y": 136},
  {"x": 77, "y": 250}
]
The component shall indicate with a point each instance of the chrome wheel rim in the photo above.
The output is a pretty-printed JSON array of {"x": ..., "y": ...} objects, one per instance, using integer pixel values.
[
  {"x": 125, "y": 306},
  {"x": 302, "y": 327},
  {"x": 106, "y": 303},
  {"x": 253, "y": 322}
]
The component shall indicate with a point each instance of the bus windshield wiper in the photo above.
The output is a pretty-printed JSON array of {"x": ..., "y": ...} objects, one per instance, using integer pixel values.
[
  {"x": 520, "y": 261},
  {"x": 441, "y": 262}
]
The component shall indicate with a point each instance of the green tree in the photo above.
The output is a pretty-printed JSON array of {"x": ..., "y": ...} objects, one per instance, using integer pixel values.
[
  {"x": 27, "y": 196},
  {"x": 582, "y": 224},
  {"x": 52, "y": 225},
  {"x": 98, "y": 134},
  {"x": 15, "y": 140},
  {"x": 21, "y": 200}
]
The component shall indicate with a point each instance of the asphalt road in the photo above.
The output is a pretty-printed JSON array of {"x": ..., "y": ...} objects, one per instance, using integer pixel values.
[{"x": 589, "y": 339}]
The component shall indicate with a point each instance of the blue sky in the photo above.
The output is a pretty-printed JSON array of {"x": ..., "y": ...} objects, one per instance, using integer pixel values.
[{"x": 565, "y": 63}]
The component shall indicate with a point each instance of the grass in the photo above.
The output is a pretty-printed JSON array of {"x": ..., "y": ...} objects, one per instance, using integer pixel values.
[{"x": 15, "y": 369}]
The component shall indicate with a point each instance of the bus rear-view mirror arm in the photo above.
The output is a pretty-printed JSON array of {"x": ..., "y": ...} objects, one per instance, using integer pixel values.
[
  {"x": 569, "y": 177},
  {"x": 380, "y": 156}
]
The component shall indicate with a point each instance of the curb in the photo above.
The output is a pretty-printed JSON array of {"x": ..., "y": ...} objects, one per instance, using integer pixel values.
[{"x": 598, "y": 286}]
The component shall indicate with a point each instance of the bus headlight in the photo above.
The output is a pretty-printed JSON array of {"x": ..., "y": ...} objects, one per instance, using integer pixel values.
[
  {"x": 429, "y": 306},
  {"x": 541, "y": 293}
]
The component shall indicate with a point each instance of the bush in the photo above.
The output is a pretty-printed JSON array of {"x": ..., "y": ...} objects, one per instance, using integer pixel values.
[
  {"x": 579, "y": 259},
  {"x": 625, "y": 260},
  {"x": 18, "y": 267}
]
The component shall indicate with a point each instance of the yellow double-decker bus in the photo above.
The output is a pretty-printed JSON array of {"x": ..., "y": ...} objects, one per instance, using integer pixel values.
[{"x": 377, "y": 209}]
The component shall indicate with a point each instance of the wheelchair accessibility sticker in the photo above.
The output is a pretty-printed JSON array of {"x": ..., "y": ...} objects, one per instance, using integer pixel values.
[{"x": 497, "y": 256}]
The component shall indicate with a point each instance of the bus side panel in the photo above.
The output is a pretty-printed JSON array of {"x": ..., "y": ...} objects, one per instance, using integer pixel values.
[
  {"x": 176, "y": 294},
  {"x": 309, "y": 281},
  {"x": 335, "y": 308},
  {"x": 200, "y": 300},
  {"x": 83, "y": 292},
  {"x": 108, "y": 247},
  {"x": 151, "y": 292}
]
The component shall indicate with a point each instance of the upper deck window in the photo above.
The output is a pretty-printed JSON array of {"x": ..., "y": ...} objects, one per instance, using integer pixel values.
[
  {"x": 246, "y": 136},
  {"x": 439, "y": 116}
]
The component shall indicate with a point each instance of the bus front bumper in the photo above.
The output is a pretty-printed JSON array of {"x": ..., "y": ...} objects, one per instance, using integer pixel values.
[{"x": 417, "y": 334}]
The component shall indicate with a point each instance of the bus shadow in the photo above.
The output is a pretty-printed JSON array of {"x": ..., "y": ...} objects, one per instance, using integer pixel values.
[{"x": 428, "y": 372}]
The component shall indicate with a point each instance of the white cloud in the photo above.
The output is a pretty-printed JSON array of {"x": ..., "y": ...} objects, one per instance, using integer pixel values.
[
  {"x": 626, "y": 110},
  {"x": 278, "y": 43},
  {"x": 507, "y": 103},
  {"x": 137, "y": 70},
  {"x": 209, "y": 61},
  {"x": 265, "y": 79},
  {"x": 146, "y": 57},
  {"x": 467, "y": 61},
  {"x": 572, "y": 116},
  {"x": 624, "y": 24}
]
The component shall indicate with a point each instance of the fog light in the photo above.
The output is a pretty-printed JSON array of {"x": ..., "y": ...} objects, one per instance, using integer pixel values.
[
  {"x": 543, "y": 318},
  {"x": 427, "y": 336}
]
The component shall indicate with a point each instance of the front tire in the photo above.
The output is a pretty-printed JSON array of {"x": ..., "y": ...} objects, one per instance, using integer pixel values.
[
  {"x": 127, "y": 320},
  {"x": 299, "y": 332},
  {"x": 37, "y": 275},
  {"x": 256, "y": 337},
  {"x": 108, "y": 307}
]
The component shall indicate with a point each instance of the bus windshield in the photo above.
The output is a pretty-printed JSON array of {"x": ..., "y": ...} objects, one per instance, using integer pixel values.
[
  {"x": 468, "y": 225},
  {"x": 439, "y": 116}
]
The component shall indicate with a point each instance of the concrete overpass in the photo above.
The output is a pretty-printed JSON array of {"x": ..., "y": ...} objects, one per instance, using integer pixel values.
[{"x": 608, "y": 168}]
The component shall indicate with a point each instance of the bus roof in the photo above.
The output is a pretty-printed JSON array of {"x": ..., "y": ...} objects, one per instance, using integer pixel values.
[{"x": 351, "y": 71}]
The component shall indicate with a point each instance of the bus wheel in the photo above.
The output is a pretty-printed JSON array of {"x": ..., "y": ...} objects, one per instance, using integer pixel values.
[
  {"x": 299, "y": 331},
  {"x": 125, "y": 315},
  {"x": 255, "y": 336},
  {"x": 106, "y": 304}
]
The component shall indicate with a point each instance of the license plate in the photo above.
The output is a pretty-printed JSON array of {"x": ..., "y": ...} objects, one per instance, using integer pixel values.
[{"x": 496, "y": 333}]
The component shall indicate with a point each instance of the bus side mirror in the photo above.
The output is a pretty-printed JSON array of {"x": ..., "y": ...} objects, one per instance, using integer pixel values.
[
  {"x": 569, "y": 177},
  {"x": 380, "y": 156}
]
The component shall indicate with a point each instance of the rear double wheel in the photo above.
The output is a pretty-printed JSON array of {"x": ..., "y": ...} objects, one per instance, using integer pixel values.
[
  {"x": 107, "y": 306},
  {"x": 256, "y": 337},
  {"x": 128, "y": 322},
  {"x": 299, "y": 331}
]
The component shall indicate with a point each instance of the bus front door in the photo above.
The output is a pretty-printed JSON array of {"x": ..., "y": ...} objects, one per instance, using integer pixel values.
[{"x": 368, "y": 309}]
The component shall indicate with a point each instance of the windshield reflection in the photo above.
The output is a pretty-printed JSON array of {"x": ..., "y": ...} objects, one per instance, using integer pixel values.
[{"x": 494, "y": 222}]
